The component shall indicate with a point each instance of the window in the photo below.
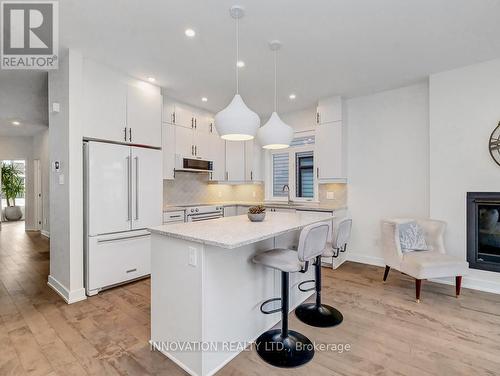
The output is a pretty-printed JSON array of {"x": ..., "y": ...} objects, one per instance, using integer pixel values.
[
  {"x": 280, "y": 174},
  {"x": 294, "y": 167},
  {"x": 304, "y": 175}
]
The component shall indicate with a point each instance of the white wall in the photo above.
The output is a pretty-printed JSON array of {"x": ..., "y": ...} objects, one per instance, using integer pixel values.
[
  {"x": 302, "y": 120},
  {"x": 66, "y": 208},
  {"x": 464, "y": 110},
  {"x": 388, "y": 163}
]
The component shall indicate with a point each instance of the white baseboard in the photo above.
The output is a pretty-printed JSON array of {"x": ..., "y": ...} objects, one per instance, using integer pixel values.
[
  {"x": 470, "y": 282},
  {"x": 68, "y": 296},
  {"x": 363, "y": 259},
  {"x": 45, "y": 233}
]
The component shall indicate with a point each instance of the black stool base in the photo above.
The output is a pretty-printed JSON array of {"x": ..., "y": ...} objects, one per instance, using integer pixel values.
[
  {"x": 291, "y": 351},
  {"x": 322, "y": 316}
]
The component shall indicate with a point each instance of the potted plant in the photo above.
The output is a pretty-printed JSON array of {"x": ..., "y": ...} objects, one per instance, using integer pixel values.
[
  {"x": 257, "y": 213},
  {"x": 12, "y": 187}
]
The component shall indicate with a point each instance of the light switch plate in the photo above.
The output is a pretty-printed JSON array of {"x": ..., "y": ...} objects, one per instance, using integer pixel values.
[
  {"x": 192, "y": 256},
  {"x": 56, "y": 107},
  {"x": 330, "y": 195}
]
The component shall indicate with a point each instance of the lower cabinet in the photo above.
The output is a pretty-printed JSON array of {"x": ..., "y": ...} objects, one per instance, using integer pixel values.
[
  {"x": 230, "y": 211},
  {"x": 117, "y": 258}
]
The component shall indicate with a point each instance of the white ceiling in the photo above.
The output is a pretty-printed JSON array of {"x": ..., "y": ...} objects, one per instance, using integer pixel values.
[
  {"x": 346, "y": 47},
  {"x": 23, "y": 98}
]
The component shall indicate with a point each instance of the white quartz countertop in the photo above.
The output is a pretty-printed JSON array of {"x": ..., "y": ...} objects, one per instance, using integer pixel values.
[{"x": 237, "y": 231}]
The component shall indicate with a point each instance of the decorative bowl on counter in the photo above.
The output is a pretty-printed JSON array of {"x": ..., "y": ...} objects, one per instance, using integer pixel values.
[{"x": 256, "y": 213}]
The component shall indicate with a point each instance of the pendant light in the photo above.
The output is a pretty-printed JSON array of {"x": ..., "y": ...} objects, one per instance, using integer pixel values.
[
  {"x": 275, "y": 134},
  {"x": 237, "y": 122}
]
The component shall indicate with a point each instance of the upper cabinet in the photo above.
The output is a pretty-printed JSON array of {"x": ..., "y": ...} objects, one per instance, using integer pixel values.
[
  {"x": 253, "y": 161},
  {"x": 235, "y": 161},
  {"x": 119, "y": 108},
  {"x": 331, "y": 143},
  {"x": 104, "y": 103},
  {"x": 144, "y": 114},
  {"x": 329, "y": 110}
]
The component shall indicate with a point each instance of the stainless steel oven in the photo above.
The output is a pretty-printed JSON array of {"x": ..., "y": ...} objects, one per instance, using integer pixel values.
[{"x": 204, "y": 213}]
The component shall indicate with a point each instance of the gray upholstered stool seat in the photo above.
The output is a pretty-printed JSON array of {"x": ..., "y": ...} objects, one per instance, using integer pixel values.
[{"x": 282, "y": 259}]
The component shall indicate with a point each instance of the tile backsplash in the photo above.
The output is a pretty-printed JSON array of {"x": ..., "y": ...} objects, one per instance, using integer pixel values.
[{"x": 191, "y": 188}]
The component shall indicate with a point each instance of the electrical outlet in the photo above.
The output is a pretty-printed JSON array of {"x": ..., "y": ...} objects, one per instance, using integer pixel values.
[
  {"x": 330, "y": 195},
  {"x": 192, "y": 256}
]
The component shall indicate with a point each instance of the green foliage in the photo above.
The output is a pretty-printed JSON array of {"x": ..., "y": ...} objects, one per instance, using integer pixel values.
[{"x": 12, "y": 183}]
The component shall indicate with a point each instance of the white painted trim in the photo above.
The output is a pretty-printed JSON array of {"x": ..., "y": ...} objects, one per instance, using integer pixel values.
[
  {"x": 470, "y": 282},
  {"x": 68, "y": 296},
  {"x": 363, "y": 259},
  {"x": 45, "y": 233}
]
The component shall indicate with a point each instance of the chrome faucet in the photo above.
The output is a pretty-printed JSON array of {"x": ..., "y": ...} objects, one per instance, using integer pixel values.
[{"x": 286, "y": 189}]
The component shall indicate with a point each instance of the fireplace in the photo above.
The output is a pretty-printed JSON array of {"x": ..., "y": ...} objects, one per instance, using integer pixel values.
[{"x": 483, "y": 230}]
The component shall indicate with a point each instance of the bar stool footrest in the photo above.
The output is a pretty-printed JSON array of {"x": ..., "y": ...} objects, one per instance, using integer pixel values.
[
  {"x": 268, "y": 312},
  {"x": 304, "y": 282}
]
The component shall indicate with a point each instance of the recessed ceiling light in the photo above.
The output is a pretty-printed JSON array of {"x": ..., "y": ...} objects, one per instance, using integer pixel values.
[
  {"x": 151, "y": 79},
  {"x": 190, "y": 33},
  {"x": 292, "y": 96},
  {"x": 240, "y": 64},
  {"x": 16, "y": 123},
  {"x": 204, "y": 99}
]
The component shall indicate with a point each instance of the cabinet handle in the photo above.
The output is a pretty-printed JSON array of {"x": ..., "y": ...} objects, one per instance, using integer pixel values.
[
  {"x": 317, "y": 172},
  {"x": 195, "y": 123},
  {"x": 192, "y": 149},
  {"x": 173, "y": 117},
  {"x": 192, "y": 122},
  {"x": 211, "y": 128},
  {"x": 317, "y": 117},
  {"x": 125, "y": 134},
  {"x": 227, "y": 175},
  {"x": 195, "y": 150},
  {"x": 251, "y": 175},
  {"x": 130, "y": 134}
]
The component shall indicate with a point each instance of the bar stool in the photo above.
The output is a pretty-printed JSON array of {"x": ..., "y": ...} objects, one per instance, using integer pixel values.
[
  {"x": 283, "y": 347},
  {"x": 318, "y": 314}
]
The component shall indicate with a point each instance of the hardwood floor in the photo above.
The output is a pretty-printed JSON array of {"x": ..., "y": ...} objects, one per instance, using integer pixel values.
[{"x": 108, "y": 334}]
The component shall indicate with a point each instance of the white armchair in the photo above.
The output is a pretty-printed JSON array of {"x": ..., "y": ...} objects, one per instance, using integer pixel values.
[{"x": 434, "y": 263}]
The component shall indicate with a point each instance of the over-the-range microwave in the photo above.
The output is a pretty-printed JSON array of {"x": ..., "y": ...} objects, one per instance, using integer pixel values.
[{"x": 193, "y": 164}]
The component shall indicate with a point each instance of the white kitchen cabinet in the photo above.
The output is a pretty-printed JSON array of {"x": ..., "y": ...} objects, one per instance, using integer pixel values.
[
  {"x": 330, "y": 153},
  {"x": 201, "y": 142},
  {"x": 144, "y": 115},
  {"x": 104, "y": 103},
  {"x": 119, "y": 108},
  {"x": 183, "y": 114},
  {"x": 329, "y": 110},
  {"x": 230, "y": 211},
  {"x": 253, "y": 161},
  {"x": 184, "y": 146},
  {"x": 168, "y": 150},
  {"x": 281, "y": 210},
  {"x": 217, "y": 154},
  {"x": 235, "y": 160}
]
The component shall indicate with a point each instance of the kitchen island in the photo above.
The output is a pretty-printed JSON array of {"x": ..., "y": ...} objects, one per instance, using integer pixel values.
[{"x": 206, "y": 292}]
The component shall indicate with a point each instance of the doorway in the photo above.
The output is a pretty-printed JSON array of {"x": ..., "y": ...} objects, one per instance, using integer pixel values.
[{"x": 13, "y": 190}]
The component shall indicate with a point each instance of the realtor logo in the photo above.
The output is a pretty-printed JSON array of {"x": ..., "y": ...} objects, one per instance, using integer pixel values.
[{"x": 29, "y": 34}]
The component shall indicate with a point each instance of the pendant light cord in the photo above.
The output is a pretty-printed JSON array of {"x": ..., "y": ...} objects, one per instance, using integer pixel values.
[
  {"x": 237, "y": 54},
  {"x": 275, "y": 82}
]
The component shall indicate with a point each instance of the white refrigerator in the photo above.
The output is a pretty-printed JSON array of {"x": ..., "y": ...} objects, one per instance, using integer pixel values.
[{"x": 123, "y": 196}]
